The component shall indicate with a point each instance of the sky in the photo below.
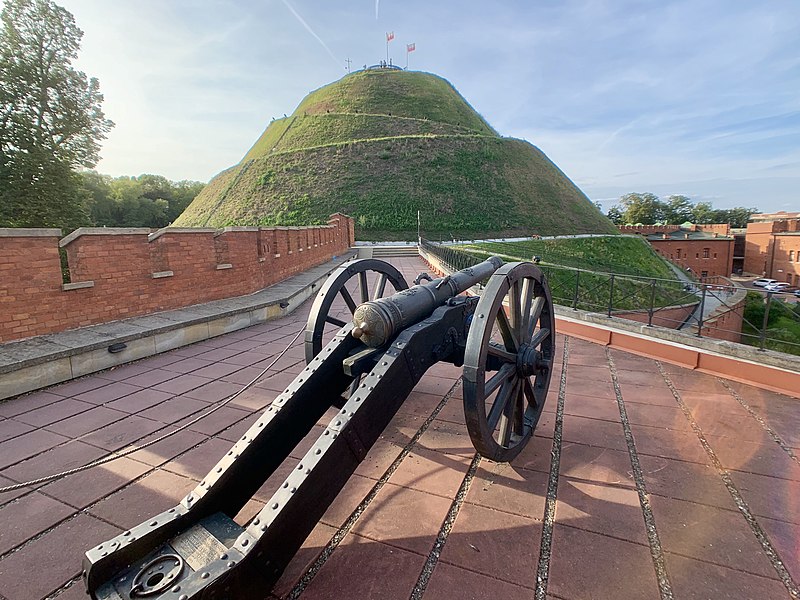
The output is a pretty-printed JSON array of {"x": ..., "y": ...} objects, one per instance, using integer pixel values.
[{"x": 698, "y": 97}]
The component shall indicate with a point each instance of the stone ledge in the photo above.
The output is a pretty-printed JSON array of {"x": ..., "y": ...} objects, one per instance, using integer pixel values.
[
  {"x": 162, "y": 274},
  {"x": 28, "y": 232},
  {"x": 102, "y": 231},
  {"x": 78, "y": 285},
  {"x": 223, "y": 266}
]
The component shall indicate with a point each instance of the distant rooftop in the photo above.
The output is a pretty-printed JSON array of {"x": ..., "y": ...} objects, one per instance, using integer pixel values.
[{"x": 776, "y": 216}]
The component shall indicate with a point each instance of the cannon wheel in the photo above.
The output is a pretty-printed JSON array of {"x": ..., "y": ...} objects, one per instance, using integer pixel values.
[
  {"x": 508, "y": 360},
  {"x": 336, "y": 285}
]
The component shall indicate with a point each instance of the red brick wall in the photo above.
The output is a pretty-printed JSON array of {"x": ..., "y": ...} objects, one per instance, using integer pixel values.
[
  {"x": 782, "y": 263},
  {"x": 205, "y": 264},
  {"x": 719, "y": 261}
]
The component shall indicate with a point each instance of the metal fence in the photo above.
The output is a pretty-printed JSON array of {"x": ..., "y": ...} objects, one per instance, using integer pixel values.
[{"x": 712, "y": 308}]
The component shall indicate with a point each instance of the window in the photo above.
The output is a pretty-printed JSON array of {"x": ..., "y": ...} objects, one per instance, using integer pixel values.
[
  {"x": 791, "y": 255},
  {"x": 703, "y": 274},
  {"x": 706, "y": 252},
  {"x": 678, "y": 252},
  {"x": 715, "y": 255}
]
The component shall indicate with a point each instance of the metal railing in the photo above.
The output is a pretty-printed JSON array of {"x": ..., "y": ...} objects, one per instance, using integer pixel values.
[{"x": 714, "y": 308}]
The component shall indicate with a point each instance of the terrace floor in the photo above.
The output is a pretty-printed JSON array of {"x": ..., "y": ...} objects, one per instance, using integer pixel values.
[{"x": 644, "y": 480}]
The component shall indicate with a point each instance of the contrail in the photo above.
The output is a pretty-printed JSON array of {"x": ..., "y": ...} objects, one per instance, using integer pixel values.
[
  {"x": 377, "y": 6},
  {"x": 311, "y": 31}
]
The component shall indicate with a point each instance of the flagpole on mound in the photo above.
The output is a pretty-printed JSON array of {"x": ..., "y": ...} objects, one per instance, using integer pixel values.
[
  {"x": 409, "y": 49},
  {"x": 389, "y": 38}
]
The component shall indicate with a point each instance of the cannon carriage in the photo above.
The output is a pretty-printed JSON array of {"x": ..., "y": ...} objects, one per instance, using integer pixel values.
[{"x": 365, "y": 350}]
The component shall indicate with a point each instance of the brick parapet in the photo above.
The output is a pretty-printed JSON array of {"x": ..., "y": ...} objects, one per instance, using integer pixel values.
[{"x": 120, "y": 273}]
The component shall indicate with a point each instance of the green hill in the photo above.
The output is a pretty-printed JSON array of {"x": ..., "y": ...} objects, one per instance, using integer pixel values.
[{"x": 381, "y": 145}]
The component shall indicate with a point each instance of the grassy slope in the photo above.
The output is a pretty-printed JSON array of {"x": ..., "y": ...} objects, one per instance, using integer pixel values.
[
  {"x": 461, "y": 185},
  {"x": 342, "y": 151},
  {"x": 396, "y": 93},
  {"x": 619, "y": 254}
]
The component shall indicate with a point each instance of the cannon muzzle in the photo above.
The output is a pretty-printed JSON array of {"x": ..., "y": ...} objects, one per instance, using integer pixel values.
[{"x": 377, "y": 321}]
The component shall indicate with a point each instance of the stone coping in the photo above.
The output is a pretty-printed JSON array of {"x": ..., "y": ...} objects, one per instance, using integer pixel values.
[
  {"x": 28, "y": 232},
  {"x": 17, "y": 355},
  {"x": 102, "y": 231}
]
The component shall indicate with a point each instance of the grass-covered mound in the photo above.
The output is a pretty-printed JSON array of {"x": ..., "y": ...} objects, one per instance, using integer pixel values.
[{"x": 381, "y": 145}]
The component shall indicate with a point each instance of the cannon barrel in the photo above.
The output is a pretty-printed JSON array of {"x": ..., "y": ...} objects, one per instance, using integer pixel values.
[{"x": 377, "y": 321}]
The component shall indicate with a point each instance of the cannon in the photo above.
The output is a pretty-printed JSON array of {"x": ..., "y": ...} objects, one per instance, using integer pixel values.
[{"x": 363, "y": 359}]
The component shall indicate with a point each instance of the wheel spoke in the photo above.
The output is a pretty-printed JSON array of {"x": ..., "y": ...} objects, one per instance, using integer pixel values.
[
  {"x": 335, "y": 321},
  {"x": 500, "y": 403},
  {"x": 501, "y": 353},
  {"x": 539, "y": 337},
  {"x": 348, "y": 299},
  {"x": 363, "y": 287},
  {"x": 506, "y": 421},
  {"x": 536, "y": 395},
  {"x": 519, "y": 408},
  {"x": 380, "y": 287},
  {"x": 497, "y": 379},
  {"x": 514, "y": 310},
  {"x": 536, "y": 313},
  {"x": 506, "y": 331},
  {"x": 527, "y": 298}
]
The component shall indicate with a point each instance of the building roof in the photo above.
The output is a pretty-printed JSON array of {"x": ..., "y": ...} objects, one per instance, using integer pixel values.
[{"x": 683, "y": 234}]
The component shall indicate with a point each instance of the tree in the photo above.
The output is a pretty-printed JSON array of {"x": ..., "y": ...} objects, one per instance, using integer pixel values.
[
  {"x": 644, "y": 208},
  {"x": 51, "y": 122},
  {"x": 678, "y": 209},
  {"x": 703, "y": 213}
]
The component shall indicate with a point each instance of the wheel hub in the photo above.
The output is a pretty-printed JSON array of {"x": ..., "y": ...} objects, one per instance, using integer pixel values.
[{"x": 529, "y": 361}]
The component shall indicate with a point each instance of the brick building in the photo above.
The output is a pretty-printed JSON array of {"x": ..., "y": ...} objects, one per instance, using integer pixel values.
[
  {"x": 772, "y": 248},
  {"x": 706, "y": 250}
]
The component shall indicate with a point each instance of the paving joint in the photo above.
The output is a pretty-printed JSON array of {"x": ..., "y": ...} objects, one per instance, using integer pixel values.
[
  {"x": 444, "y": 531},
  {"x": 656, "y": 551},
  {"x": 342, "y": 532},
  {"x": 741, "y": 504},
  {"x": 549, "y": 518},
  {"x": 770, "y": 431}
]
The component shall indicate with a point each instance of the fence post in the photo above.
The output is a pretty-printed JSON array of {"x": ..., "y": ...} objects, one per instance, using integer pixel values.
[
  {"x": 763, "y": 340},
  {"x": 702, "y": 310},
  {"x": 575, "y": 297},
  {"x": 611, "y": 296},
  {"x": 652, "y": 303}
]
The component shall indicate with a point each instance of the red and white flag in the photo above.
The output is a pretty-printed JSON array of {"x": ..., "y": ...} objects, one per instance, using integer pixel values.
[
  {"x": 389, "y": 36},
  {"x": 411, "y": 47}
]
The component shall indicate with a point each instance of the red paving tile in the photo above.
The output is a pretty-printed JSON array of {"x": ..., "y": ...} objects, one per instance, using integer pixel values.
[
  {"x": 391, "y": 575},
  {"x": 711, "y": 534},
  {"x": 589, "y": 565},
  {"x": 604, "y": 509},
  {"x": 54, "y": 558},
  {"x": 449, "y": 582},
  {"x": 91, "y": 420},
  {"x": 403, "y": 518},
  {"x": 11, "y": 428},
  {"x": 502, "y": 487},
  {"x": 696, "y": 580},
  {"x": 25, "y": 446},
  {"x": 599, "y": 545},
  {"x": 28, "y": 517},
  {"x": 494, "y": 543}
]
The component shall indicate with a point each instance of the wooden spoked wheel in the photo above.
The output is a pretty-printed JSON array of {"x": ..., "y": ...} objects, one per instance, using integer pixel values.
[
  {"x": 353, "y": 283},
  {"x": 508, "y": 360}
]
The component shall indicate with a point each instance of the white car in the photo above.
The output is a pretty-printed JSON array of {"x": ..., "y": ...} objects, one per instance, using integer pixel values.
[
  {"x": 778, "y": 287},
  {"x": 763, "y": 282}
]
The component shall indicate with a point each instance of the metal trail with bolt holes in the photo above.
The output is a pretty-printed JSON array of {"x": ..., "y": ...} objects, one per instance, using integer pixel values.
[{"x": 505, "y": 340}]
